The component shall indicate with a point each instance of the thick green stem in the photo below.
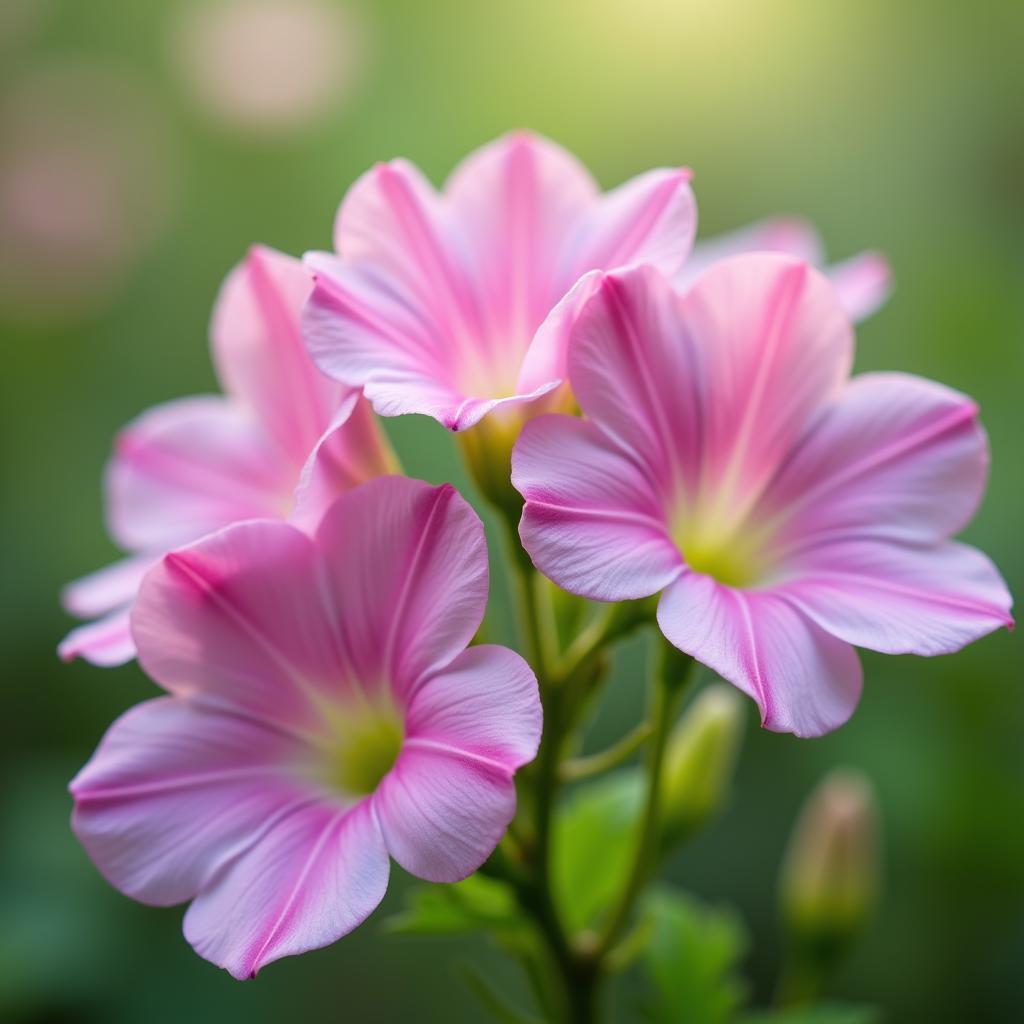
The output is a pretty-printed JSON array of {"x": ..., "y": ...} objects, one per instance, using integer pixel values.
[{"x": 667, "y": 689}]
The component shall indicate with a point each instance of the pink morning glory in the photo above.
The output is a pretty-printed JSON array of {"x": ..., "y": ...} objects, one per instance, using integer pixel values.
[
  {"x": 785, "y": 512},
  {"x": 863, "y": 282},
  {"x": 323, "y": 713},
  {"x": 453, "y": 303},
  {"x": 283, "y": 441}
]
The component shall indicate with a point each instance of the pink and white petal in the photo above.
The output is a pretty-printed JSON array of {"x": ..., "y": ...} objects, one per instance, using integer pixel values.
[
  {"x": 361, "y": 328},
  {"x": 394, "y": 224},
  {"x": 863, "y": 283},
  {"x": 406, "y": 565},
  {"x": 260, "y": 355},
  {"x": 486, "y": 703},
  {"x": 775, "y": 345},
  {"x": 893, "y": 456},
  {"x": 354, "y": 449},
  {"x": 443, "y": 811},
  {"x": 175, "y": 792},
  {"x": 791, "y": 236},
  {"x": 899, "y": 599},
  {"x": 238, "y": 619},
  {"x": 634, "y": 371},
  {"x": 515, "y": 201},
  {"x": 592, "y": 521},
  {"x": 106, "y": 588},
  {"x": 191, "y": 466},
  {"x": 106, "y": 643},
  {"x": 312, "y": 877},
  {"x": 804, "y": 680},
  {"x": 650, "y": 219},
  {"x": 547, "y": 358}
]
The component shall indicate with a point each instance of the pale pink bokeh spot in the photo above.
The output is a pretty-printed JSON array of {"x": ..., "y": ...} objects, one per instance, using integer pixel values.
[
  {"x": 282, "y": 442},
  {"x": 785, "y": 511},
  {"x": 268, "y": 66},
  {"x": 324, "y": 713},
  {"x": 88, "y": 178}
]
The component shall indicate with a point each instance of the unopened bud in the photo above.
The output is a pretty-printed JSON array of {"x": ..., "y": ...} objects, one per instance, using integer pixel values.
[
  {"x": 700, "y": 760},
  {"x": 830, "y": 873}
]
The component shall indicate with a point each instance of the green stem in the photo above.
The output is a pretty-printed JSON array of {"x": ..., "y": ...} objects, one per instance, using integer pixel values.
[
  {"x": 666, "y": 695},
  {"x": 596, "y": 764}
]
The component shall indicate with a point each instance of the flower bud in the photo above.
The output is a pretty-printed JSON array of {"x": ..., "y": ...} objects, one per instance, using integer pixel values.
[
  {"x": 699, "y": 761},
  {"x": 829, "y": 876}
]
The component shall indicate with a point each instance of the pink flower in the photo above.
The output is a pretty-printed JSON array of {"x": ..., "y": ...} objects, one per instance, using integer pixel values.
[
  {"x": 863, "y": 282},
  {"x": 785, "y": 511},
  {"x": 283, "y": 442},
  {"x": 452, "y": 304},
  {"x": 324, "y": 712}
]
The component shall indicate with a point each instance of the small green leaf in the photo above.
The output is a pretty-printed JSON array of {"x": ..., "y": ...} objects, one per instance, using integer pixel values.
[
  {"x": 691, "y": 958},
  {"x": 594, "y": 837},
  {"x": 476, "y": 904},
  {"x": 827, "y": 1013}
]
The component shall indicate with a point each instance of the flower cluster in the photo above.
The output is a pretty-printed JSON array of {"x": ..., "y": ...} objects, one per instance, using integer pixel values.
[{"x": 680, "y": 423}]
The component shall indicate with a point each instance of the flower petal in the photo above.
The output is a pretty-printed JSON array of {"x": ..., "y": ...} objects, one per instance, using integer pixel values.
[
  {"x": 239, "y": 619},
  {"x": 443, "y": 811},
  {"x": 353, "y": 449},
  {"x": 863, "y": 283},
  {"x": 650, "y": 219},
  {"x": 260, "y": 355},
  {"x": 516, "y": 201},
  {"x": 407, "y": 565},
  {"x": 791, "y": 236},
  {"x": 105, "y": 589},
  {"x": 893, "y": 456},
  {"x": 191, "y": 466},
  {"x": 313, "y": 877},
  {"x": 107, "y": 642},
  {"x": 774, "y": 345},
  {"x": 173, "y": 793},
  {"x": 593, "y": 521},
  {"x": 899, "y": 599},
  {"x": 485, "y": 702},
  {"x": 804, "y": 680}
]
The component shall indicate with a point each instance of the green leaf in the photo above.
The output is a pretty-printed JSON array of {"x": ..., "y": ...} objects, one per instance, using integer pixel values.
[
  {"x": 827, "y": 1013},
  {"x": 476, "y": 904},
  {"x": 594, "y": 836},
  {"x": 691, "y": 958}
]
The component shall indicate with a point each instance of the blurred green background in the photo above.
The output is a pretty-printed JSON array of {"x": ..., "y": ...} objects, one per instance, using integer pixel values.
[{"x": 144, "y": 145}]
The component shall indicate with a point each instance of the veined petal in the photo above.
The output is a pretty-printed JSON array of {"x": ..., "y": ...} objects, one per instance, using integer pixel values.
[
  {"x": 775, "y": 345},
  {"x": 407, "y": 565},
  {"x": 804, "y": 680},
  {"x": 900, "y": 599},
  {"x": 260, "y": 355},
  {"x": 593, "y": 521},
  {"x": 174, "y": 793},
  {"x": 188, "y": 467},
  {"x": 238, "y": 619},
  {"x": 893, "y": 456},
  {"x": 442, "y": 811},
  {"x": 107, "y": 642},
  {"x": 516, "y": 201},
  {"x": 650, "y": 219},
  {"x": 484, "y": 703},
  {"x": 315, "y": 875}
]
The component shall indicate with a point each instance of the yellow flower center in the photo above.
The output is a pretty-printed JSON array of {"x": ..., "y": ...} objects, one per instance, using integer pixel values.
[
  {"x": 734, "y": 554},
  {"x": 362, "y": 746}
]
